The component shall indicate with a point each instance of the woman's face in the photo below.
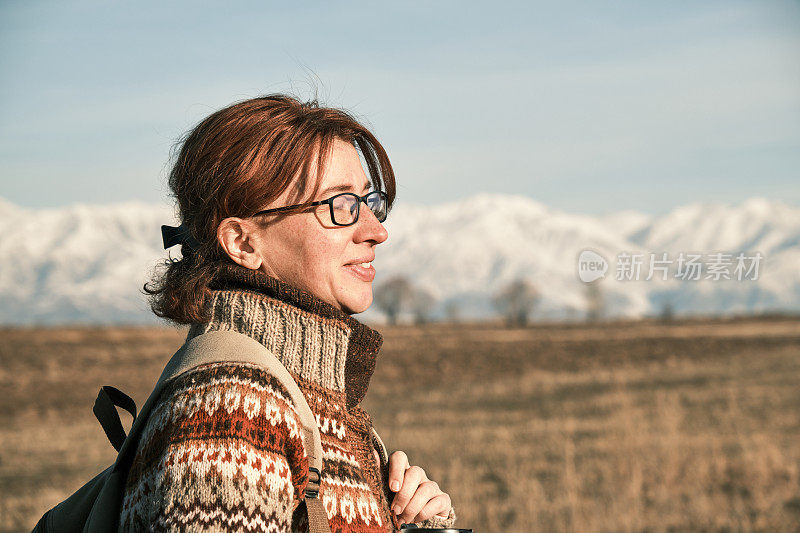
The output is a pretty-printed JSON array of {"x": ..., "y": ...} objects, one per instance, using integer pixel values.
[{"x": 308, "y": 251}]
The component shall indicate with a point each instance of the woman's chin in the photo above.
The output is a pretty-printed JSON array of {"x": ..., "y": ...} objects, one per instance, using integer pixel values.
[{"x": 354, "y": 306}]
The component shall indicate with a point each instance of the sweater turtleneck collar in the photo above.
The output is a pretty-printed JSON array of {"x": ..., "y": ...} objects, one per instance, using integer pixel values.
[{"x": 313, "y": 339}]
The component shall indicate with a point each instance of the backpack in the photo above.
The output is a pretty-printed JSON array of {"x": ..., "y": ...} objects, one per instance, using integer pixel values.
[{"x": 95, "y": 507}]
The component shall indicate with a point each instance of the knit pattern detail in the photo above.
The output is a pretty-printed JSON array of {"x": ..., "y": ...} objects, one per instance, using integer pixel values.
[
  {"x": 314, "y": 349},
  {"x": 221, "y": 451}
]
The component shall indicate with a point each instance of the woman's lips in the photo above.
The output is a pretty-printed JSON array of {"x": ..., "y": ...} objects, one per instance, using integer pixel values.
[{"x": 364, "y": 274}]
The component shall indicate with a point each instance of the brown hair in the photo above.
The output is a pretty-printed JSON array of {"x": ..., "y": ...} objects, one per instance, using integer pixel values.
[{"x": 232, "y": 164}]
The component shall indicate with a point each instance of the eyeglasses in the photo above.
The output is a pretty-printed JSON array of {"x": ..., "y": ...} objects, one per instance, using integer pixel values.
[{"x": 345, "y": 207}]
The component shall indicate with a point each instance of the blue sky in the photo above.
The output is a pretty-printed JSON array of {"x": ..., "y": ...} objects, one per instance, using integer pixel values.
[{"x": 587, "y": 106}]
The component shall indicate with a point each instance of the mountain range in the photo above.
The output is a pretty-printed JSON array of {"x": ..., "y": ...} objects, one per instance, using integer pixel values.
[{"x": 87, "y": 263}]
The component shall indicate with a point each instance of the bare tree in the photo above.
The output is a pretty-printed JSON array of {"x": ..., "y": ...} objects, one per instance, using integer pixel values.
[
  {"x": 452, "y": 311},
  {"x": 594, "y": 301},
  {"x": 667, "y": 311},
  {"x": 516, "y": 301},
  {"x": 392, "y": 296},
  {"x": 571, "y": 313},
  {"x": 422, "y": 302}
]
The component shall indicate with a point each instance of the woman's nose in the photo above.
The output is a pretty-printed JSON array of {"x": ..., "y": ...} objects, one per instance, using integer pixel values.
[{"x": 369, "y": 228}]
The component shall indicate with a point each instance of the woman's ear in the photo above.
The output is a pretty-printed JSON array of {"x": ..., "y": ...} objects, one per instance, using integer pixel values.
[{"x": 236, "y": 238}]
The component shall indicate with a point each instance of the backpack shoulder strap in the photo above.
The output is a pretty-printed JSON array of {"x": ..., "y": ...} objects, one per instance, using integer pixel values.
[
  {"x": 377, "y": 442},
  {"x": 225, "y": 346},
  {"x": 218, "y": 346},
  {"x": 232, "y": 346},
  {"x": 96, "y": 506}
]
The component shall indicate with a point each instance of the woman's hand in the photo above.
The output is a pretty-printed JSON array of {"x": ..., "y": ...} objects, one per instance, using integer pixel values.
[{"x": 416, "y": 498}]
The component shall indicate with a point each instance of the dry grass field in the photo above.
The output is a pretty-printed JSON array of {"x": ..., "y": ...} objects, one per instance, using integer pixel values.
[{"x": 634, "y": 426}]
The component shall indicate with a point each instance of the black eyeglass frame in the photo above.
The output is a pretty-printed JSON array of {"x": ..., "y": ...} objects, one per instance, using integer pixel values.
[{"x": 329, "y": 201}]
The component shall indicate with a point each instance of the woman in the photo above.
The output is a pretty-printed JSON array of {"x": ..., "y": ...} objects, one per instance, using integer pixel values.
[{"x": 277, "y": 245}]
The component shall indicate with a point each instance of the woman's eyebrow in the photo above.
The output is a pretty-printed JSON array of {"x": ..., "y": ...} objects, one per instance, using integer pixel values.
[{"x": 344, "y": 188}]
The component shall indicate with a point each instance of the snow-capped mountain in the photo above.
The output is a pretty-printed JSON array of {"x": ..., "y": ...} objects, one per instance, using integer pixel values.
[
  {"x": 88, "y": 263},
  {"x": 78, "y": 263}
]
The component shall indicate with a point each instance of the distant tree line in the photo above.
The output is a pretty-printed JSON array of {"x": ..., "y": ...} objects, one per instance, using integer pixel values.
[{"x": 516, "y": 302}]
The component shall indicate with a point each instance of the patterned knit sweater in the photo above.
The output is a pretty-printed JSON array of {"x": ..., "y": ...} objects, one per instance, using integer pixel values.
[{"x": 222, "y": 451}]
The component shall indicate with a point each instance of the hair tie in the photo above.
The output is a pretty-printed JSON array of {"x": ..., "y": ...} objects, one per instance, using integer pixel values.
[{"x": 172, "y": 235}]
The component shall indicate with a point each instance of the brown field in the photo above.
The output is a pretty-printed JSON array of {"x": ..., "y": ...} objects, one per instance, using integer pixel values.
[{"x": 635, "y": 426}]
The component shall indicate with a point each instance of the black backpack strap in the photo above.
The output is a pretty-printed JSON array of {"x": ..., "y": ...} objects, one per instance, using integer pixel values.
[{"x": 105, "y": 409}]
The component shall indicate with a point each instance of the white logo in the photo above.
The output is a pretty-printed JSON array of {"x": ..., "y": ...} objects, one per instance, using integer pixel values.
[{"x": 591, "y": 266}]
